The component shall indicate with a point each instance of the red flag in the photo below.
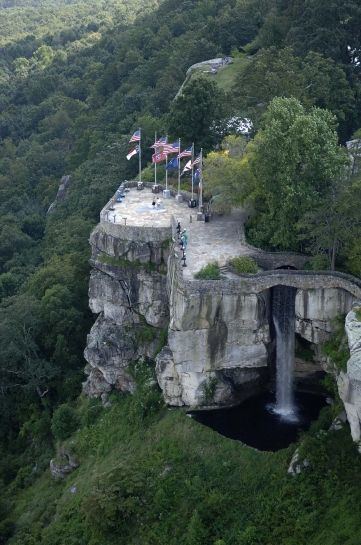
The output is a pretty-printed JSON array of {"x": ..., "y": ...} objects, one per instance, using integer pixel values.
[{"x": 159, "y": 157}]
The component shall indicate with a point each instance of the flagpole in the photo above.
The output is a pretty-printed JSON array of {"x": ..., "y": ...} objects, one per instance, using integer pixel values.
[
  {"x": 192, "y": 171},
  {"x": 155, "y": 164},
  {"x": 140, "y": 154},
  {"x": 179, "y": 172},
  {"x": 201, "y": 180},
  {"x": 166, "y": 164}
]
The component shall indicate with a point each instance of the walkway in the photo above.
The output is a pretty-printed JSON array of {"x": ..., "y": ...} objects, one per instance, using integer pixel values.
[{"x": 219, "y": 240}]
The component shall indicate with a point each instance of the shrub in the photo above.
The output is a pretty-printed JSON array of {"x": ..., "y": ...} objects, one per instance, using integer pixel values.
[
  {"x": 244, "y": 264},
  {"x": 209, "y": 272},
  {"x": 64, "y": 422},
  {"x": 336, "y": 348},
  {"x": 317, "y": 263}
]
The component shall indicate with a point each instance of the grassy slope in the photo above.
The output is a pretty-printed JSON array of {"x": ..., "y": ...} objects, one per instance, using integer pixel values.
[
  {"x": 169, "y": 480},
  {"x": 226, "y": 76}
]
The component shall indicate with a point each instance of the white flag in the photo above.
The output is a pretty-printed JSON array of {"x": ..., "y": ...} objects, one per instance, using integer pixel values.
[
  {"x": 187, "y": 167},
  {"x": 133, "y": 152}
]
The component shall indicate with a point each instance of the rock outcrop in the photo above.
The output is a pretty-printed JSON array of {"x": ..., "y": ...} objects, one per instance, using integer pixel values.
[
  {"x": 349, "y": 382},
  {"x": 316, "y": 310},
  {"x": 217, "y": 342},
  {"x": 220, "y": 345},
  {"x": 128, "y": 292},
  {"x": 62, "y": 192},
  {"x": 63, "y": 464}
]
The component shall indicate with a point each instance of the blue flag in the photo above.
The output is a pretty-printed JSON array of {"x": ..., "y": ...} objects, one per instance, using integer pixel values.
[{"x": 173, "y": 163}]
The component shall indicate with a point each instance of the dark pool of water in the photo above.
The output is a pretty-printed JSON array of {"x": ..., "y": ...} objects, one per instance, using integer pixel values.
[{"x": 254, "y": 423}]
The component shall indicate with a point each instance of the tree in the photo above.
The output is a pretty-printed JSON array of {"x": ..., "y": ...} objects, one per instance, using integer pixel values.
[
  {"x": 328, "y": 229},
  {"x": 294, "y": 159},
  {"x": 193, "y": 113},
  {"x": 227, "y": 174},
  {"x": 314, "y": 80},
  {"x": 270, "y": 73},
  {"x": 196, "y": 533}
]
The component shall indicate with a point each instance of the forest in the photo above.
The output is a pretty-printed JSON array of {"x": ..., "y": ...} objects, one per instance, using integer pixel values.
[{"x": 77, "y": 78}]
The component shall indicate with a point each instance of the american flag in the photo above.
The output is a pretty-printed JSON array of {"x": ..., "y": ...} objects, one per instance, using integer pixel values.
[
  {"x": 171, "y": 148},
  {"x": 186, "y": 153},
  {"x": 135, "y": 137},
  {"x": 160, "y": 142}
]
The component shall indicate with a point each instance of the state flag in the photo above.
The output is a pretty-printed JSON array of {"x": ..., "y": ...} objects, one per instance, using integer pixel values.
[
  {"x": 173, "y": 163},
  {"x": 159, "y": 157}
]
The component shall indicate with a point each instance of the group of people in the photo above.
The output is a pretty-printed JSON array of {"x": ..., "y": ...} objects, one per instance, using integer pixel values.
[
  {"x": 156, "y": 203},
  {"x": 182, "y": 236}
]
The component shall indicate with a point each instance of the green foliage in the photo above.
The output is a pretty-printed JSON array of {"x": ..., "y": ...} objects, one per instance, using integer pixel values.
[
  {"x": 227, "y": 176},
  {"x": 244, "y": 264},
  {"x": 209, "y": 389},
  {"x": 317, "y": 263},
  {"x": 194, "y": 123},
  {"x": 314, "y": 80},
  {"x": 145, "y": 334},
  {"x": 294, "y": 158},
  {"x": 75, "y": 79},
  {"x": 126, "y": 263},
  {"x": 209, "y": 272},
  {"x": 64, "y": 422},
  {"x": 337, "y": 348},
  {"x": 171, "y": 480}
]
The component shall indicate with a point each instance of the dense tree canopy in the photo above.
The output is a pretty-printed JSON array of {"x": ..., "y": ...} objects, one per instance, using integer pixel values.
[{"x": 76, "y": 78}]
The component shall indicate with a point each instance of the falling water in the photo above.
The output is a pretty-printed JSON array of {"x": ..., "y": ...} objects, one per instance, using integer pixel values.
[{"x": 284, "y": 321}]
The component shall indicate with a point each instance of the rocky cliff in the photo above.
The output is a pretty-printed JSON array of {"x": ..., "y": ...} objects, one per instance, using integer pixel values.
[
  {"x": 127, "y": 290},
  {"x": 217, "y": 343},
  {"x": 349, "y": 382},
  {"x": 221, "y": 344}
]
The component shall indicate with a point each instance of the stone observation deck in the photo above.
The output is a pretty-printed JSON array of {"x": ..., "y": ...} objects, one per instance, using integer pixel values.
[{"x": 219, "y": 240}]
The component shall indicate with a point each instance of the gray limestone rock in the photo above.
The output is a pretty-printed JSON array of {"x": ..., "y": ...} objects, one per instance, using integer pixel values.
[
  {"x": 109, "y": 352},
  {"x": 63, "y": 464},
  {"x": 316, "y": 310},
  {"x": 62, "y": 192},
  {"x": 349, "y": 383}
]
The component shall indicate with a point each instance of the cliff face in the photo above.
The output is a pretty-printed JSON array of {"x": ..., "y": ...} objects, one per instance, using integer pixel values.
[
  {"x": 217, "y": 345},
  {"x": 127, "y": 290},
  {"x": 220, "y": 345},
  {"x": 349, "y": 382},
  {"x": 317, "y": 308}
]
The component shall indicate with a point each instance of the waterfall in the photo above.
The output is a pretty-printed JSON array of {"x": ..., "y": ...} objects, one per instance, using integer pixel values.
[{"x": 284, "y": 322}]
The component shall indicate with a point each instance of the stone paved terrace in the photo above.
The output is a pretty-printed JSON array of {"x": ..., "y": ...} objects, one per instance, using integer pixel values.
[
  {"x": 137, "y": 210},
  {"x": 219, "y": 240}
]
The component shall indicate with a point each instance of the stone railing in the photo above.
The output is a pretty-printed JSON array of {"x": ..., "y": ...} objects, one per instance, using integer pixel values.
[
  {"x": 256, "y": 283},
  {"x": 136, "y": 233}
]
